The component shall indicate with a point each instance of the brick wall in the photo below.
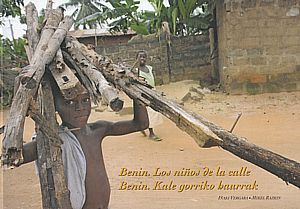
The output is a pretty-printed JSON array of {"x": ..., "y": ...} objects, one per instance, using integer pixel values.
[
  {"x": 188, "y": 57},
  {"x": 259, "y": 45}
]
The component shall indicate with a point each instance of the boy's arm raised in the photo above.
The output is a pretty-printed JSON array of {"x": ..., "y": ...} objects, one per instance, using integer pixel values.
[{"x": 138, "y": 123}]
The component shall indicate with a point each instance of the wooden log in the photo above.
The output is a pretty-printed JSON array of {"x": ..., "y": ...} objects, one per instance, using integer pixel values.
[
  {"x": 13, "y": 133},
  {"x": 49, "y": 53},
  {"x": 45, "y": 172},
  {"x": 126, "y": 72},
  {"x": 286, "y": 169},
  {"x": 49, "y": 7},
  {"x": 53, "y": 183},
  {"x": 44, "y": 156},
  {"x": 32, "y": 28},
  {"x": 2, "y": 130},
  {"x": 84, "y": 79},
  {"x": 67, "y": 82},
  {"x": 205, "y": 133},
  {"x": 53, "y": 21},
  {"x": 109, "y": 93},
  {"x": 50, "y": 167}
]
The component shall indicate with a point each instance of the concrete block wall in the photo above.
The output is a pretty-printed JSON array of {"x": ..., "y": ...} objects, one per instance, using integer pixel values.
[
  {"x": 190, "y": 58},
  {"x": 259, "y": 45},
  {"x": 187, "y": 59}
]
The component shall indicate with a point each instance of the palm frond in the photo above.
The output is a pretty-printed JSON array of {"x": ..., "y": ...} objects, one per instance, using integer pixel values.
[
  {"x": 90, "y": 18},
  {"x": 71, "y": 3}
]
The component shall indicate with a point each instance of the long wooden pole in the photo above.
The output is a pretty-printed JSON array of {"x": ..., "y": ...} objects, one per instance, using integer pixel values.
[
  {"x": 205, "y": 133},
  {"x": 58, "y": 194}
]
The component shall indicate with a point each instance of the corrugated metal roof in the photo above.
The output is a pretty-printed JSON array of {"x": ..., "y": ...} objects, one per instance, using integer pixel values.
[{"x": 97, "y": 32}]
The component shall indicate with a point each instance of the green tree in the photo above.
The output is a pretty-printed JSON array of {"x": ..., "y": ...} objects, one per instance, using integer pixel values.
[
  {"x": 13, "y": 53},
  {"x": 85, "y": 8},
  {"x": 155, "y": 18},
  {"x": 10, "y": 8},
  {"x": 185, "y": 17},
  {"x": 120, "y": 16},
  {"x": 124, "y": 15},
  {"x": 193, "y": 17}
]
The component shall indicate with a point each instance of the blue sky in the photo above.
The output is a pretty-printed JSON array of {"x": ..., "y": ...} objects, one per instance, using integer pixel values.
[{"x": 19, "y": 29}]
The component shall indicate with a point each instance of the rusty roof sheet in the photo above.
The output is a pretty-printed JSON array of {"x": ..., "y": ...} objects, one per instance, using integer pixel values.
[{"x": 97, "y": 32}]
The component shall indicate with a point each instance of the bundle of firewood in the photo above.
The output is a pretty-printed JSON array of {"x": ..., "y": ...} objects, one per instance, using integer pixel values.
[{"x": 75, "y": 67}]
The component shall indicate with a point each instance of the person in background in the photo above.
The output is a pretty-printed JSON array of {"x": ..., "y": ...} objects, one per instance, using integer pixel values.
[{"x": 145, "y": 71}]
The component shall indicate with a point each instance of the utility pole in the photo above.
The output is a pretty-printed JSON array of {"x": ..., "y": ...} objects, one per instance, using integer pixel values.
[
  {"x": 12, "y": 33},
  {"x": 11, "y": 30}
]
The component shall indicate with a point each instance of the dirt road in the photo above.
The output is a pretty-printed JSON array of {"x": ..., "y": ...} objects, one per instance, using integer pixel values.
[{"x": 269, "y": 120}]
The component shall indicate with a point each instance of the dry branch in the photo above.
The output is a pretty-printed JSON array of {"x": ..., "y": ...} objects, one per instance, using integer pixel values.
[
  {"x": 43, "y": 136},
  {"x": 13, "y": 133},
  {"x": 85, "y": 81},
  {"x": 50, "y": 167},
  {"x": 67, "y": 82},
  {"x": 32, "y": 28},
  {"x": 48, "y": 8},
  {"x": 54, "y": 190},
  {"x": 109, "y": 94},
  {"x": 205, "y": 133}
]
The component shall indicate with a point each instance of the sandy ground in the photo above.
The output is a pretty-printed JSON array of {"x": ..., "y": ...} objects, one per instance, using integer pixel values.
[{"x": 271, "y": 121}]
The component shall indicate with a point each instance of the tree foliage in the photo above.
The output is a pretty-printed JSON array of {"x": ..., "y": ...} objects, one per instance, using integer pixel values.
[
  {"x": 125, "y": 15},
  {"x": 85, "y": 8},
  {"x": 13, "y": 53},
  {"x": 195, "y": 16},
  {"x": 185, "y": 17},
  {"x": 11, "y": 7}
]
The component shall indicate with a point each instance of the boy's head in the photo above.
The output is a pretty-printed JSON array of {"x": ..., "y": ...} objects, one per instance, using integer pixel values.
[
  {"x": 141, "y": 56},
  {"x": 75, "y": 112}
]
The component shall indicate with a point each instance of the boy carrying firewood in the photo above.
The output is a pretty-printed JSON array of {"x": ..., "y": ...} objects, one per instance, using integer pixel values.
[{"x": 82, "y": 156}]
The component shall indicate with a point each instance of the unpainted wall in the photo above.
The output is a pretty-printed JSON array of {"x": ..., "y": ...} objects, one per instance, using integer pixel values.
[
  {"x": 259, "y": 45},
  {"x": 182, "y": 58}
]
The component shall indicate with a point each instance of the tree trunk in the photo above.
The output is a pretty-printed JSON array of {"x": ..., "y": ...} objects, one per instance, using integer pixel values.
[{"x": 205, "y": 133}]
